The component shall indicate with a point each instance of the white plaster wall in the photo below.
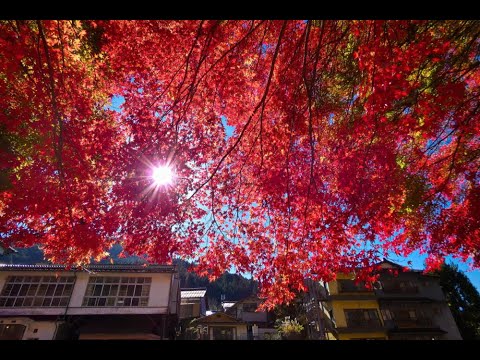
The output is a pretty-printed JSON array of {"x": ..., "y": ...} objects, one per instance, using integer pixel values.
[
  {"x": 79, "y": 289},
  {"x": 158, "y": 300},
  {"x": 174, "y": 299},
  {"x": 41, "y": 330},
  {"x": 159, "y": 289},
  {"x": 46, "y": 330}
]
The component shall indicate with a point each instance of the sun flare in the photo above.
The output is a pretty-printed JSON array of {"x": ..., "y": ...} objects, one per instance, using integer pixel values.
[{"x": 162, "y": 175}]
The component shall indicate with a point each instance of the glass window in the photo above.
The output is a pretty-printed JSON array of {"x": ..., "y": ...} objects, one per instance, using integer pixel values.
[
  {"x": 28, "y": 301},
  {"x": 32, "y": 290},
  {"x": 50, "y": 290},
  {"x": 352, "y": 286},
  {"x": 59, "y": 290},
  {"x": 106, "y": 291},
  {"x": 22, "y": 291},
  {"x": 55, "y": 301},
  {"x": 362, "y": 318},
  {"x": 6, "y": 289},
  {"x": 18, "y": 301}
]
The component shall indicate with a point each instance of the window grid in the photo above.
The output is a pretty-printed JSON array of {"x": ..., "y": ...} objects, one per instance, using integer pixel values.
[
  {"x": 352, "y": 286},
  {"x": 103, "y": 291},
  {"x": 43, "y": 291},
  {"x": 362, "y": 318}
]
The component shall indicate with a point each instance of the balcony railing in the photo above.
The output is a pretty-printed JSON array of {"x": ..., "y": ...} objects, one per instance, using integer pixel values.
[
  {"x": 364, "y": 324},
  {"x": 349, "y": 286},
  {"x": 407, "y": 323}
]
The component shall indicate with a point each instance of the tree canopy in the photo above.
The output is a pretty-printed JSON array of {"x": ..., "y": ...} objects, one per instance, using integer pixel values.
[
  {"x": 297, "y": 148},
  {"x": 463, "y": 299}
]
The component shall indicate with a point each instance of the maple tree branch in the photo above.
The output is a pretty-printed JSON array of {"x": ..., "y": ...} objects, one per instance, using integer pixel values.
[
  {"x": 447, "y": 178},
  {"x": 251, "y": 116},
  {"x": 180, "y": 98},
  {"x": 59, "y": 149}
]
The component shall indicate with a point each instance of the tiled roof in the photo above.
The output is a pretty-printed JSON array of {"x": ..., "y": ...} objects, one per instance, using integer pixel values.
[
  {"x": 192, "y": 293},
  {"x": 228, "y": 304},
  {"x": 217, "y": 318},
  {"x": 91, "y": 268}
]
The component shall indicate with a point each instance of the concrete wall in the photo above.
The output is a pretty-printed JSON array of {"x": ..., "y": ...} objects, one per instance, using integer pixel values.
[
  {"x": 445, "y": 320},
  {"x": 254, "y": 316}
]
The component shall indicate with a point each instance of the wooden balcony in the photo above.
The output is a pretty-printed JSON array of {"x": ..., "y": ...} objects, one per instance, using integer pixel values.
[{"x": 407, "y": 323}]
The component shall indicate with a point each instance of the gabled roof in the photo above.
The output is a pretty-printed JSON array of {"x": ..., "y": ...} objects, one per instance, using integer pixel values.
[
  {"x": 193, "y": 293},
  {"x": 250, "y": 298},
  {"x": 154, "y": 268},
  {"x": 228, "y": 304},
  {"x": 387, "y": 264},
  {"x": 217, "y": 318}
]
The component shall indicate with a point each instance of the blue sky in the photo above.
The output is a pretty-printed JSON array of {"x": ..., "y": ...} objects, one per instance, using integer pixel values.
[{"x": 117, "y": 101}]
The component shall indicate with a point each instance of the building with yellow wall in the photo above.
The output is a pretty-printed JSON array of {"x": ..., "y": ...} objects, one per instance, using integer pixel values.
[
  {"x": 402, "y": 305},
  {"x": 354, "y": 311}
]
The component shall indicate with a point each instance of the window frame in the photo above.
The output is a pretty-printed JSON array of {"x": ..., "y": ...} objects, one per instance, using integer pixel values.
[
  {"x": 117, "y": 291},
  {"x": 36, "y": 291},
  {"x": 364, "y": 320}
]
